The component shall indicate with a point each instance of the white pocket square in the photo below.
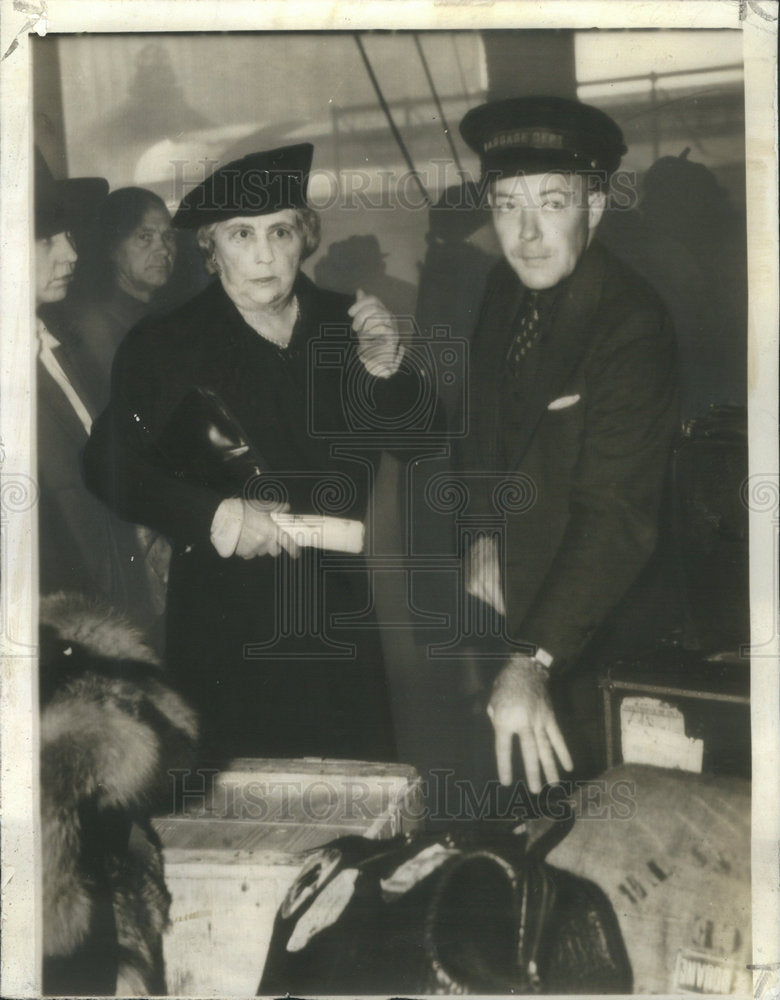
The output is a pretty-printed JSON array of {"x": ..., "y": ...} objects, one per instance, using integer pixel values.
[{"x": 563, "y": 401}]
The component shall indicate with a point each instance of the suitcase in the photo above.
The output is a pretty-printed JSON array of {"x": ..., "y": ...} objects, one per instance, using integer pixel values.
[
  {"x": 711, "y": 693},
  {"x": 710, "y": 468},
  {"x": 671, "y": 850},
  {"x": 239, "y": 841}
]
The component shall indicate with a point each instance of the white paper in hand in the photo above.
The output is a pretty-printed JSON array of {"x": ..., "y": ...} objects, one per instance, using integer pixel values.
[{"x": 338, "y": 534}]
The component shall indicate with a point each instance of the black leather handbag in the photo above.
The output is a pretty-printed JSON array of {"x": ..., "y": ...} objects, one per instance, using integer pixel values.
[
  {"x": 203, "y": 442},
  {"x": 473, "y": 910}
]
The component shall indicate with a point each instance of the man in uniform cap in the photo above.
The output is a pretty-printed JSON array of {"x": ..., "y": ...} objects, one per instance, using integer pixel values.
[{"x": 573, "y": 391}]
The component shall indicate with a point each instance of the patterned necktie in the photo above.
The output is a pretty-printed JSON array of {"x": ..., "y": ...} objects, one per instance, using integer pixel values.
[{"x": 527, "y": 334}]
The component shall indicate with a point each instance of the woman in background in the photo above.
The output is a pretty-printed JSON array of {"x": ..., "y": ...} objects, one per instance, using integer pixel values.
[{"x": 82, "y": 546}]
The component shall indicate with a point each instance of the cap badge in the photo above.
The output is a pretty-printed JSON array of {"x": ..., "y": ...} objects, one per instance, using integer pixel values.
[{"x": 525, "y": 138}]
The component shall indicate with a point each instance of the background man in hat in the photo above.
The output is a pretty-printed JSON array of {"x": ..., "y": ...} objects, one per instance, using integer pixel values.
[{"x": 573, "y": 391}]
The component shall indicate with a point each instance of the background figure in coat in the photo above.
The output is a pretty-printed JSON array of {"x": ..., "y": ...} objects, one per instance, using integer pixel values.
[
  {"x": 126, "y": 260},
  {"x": 276, "y": 644},
  {"x": 573, "y": 402},
  {"x": 82, "y": 546},
  {"x": 127, "y": 254}
]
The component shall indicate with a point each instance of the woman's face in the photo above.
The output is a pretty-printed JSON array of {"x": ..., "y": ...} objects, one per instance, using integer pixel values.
[
  {"x": 55, "y": 259},
  {"x": 257, "y": 258},
  {"x": 144, "y": 259}
]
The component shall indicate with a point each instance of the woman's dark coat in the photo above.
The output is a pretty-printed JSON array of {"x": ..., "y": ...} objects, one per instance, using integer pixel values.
[{"x": 258, "y": 644}]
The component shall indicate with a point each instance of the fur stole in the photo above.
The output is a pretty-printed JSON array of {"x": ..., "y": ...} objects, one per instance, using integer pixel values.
[{"x": 111, "y": 730}]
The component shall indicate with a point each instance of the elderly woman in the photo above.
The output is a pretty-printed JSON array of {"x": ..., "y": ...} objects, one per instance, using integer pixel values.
[
  {"x": 126, "y": 261},
  {"x": 275, "y": 643}
]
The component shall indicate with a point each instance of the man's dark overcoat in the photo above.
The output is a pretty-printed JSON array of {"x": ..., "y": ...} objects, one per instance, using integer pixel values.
[
  {"x": 257, "y": 644},
  {"x": 585, "y": 430}
]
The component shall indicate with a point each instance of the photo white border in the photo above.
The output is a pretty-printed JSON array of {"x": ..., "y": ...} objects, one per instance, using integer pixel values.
[{"x": 21, "y": 926}]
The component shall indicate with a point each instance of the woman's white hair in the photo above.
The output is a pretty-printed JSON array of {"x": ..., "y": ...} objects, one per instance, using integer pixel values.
[{"x": 307, "y": 221}]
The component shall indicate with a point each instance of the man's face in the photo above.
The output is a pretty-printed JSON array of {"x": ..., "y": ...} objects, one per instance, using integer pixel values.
[
  {"x": 543, "y": 223},
  {"x": 144, "y": 259},
  {"x": 55, "y": 259},
  {"x": 258, "y": 258}
]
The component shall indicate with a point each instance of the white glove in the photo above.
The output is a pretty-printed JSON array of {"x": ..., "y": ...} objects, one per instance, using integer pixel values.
[{"x": 379, "y": 345}]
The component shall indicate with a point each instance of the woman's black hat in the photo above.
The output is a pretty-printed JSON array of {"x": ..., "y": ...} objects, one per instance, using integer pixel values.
[
  {"x": 63, "y": 205},
  {"x": 531, "y": 135},
  {"x": 257, "y": 184}
]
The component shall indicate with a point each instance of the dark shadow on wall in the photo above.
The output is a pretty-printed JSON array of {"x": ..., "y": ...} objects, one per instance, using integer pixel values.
[
  {"x": 688, "y": 240},
  {"x": 359, "y": 263},
  {"x": 155, "y": 108}
]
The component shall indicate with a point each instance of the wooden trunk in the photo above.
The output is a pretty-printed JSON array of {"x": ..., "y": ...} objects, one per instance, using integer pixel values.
[{"x": 231, "y": 857}]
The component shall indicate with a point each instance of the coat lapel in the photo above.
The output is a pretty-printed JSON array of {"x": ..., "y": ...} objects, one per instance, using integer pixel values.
[
  {"x": 63, "y": 416},
  {"x": 52, "y": 396},
  {"x": 73, "y": 372},
  {"x": 572, "y": 330}
]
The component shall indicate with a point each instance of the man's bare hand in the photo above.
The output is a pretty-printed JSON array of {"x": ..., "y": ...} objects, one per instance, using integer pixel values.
[{"x": 520, "y": 705}]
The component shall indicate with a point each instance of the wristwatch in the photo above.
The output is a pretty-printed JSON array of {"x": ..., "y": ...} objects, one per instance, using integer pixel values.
[{"x": 542, "y": 657}]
